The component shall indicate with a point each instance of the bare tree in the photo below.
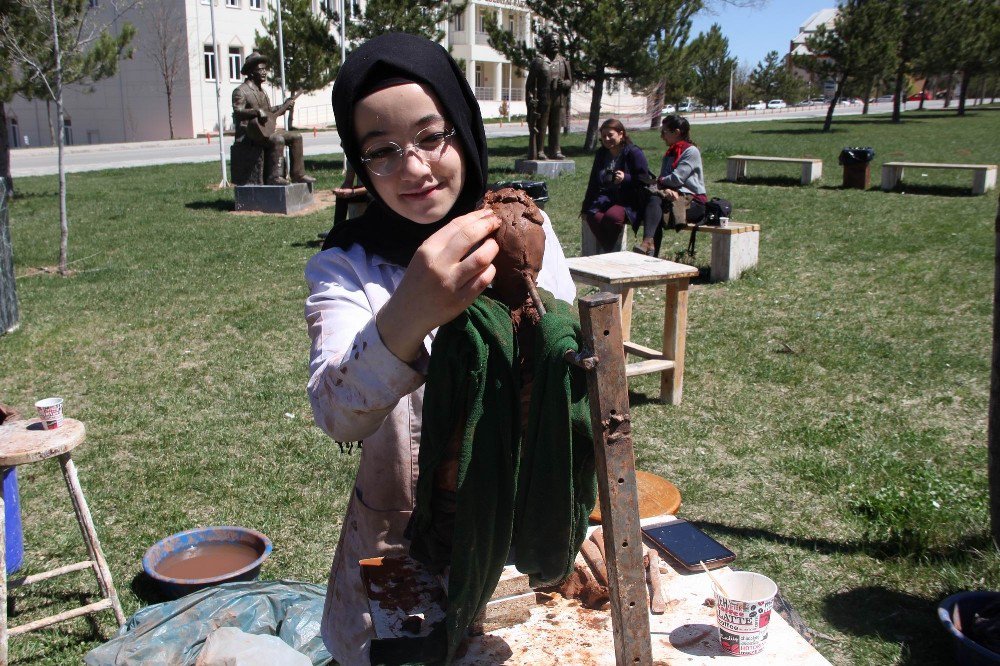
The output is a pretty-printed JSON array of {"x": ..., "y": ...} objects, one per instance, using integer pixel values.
[
  {"x": 60, "y": 44},
  {"x": 167, "y": 47}
]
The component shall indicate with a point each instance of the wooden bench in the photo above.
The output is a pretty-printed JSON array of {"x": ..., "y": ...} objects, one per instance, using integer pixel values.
[
  {"x": 984, "y": 176},
  {"x": 621, "y": 273},
  {"x": 734, "y": 248},
  {"x": 736, "y": 166}
]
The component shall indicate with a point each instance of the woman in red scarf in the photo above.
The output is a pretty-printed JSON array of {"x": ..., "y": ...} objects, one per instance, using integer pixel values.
[{"x": 680, "y": 190}]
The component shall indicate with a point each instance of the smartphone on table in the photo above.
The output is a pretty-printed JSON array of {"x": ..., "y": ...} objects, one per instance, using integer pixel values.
[{"x": 688, "y": 545}]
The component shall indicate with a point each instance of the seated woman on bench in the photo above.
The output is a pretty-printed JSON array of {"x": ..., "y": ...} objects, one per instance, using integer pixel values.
[
  {"x": 680, "y": 194},
  {"x": 616, "y": 193}
]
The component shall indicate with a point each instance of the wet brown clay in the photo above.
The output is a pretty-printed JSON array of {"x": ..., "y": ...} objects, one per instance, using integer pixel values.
[{"x": 207, "y": 560}]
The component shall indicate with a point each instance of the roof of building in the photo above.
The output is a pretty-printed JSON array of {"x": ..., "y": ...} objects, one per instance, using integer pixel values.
[{"x": 822, "y": 17}]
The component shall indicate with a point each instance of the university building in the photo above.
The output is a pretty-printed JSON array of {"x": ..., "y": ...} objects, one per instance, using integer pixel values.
[{"x": 132, "y": 105}]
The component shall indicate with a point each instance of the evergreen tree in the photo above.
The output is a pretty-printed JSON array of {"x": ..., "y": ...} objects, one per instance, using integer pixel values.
[
  {"x": 712, "y": 65},
  {"x": 860, "y": 49},
  {"x": 312, "y": 53},
  {"x": 673, "y": 75},
  {"x": 53, "y": 45},
  {"x": 417, "y": 17},
  {"x": 604, "y": 40}
]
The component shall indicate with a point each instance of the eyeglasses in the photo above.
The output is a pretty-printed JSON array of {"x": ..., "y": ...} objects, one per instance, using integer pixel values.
[{"x": 384, "y": 159}]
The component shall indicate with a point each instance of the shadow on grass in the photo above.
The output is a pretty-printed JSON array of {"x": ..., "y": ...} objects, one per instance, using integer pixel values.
[
  {"x": 956, "y": 551},
  {"x": 798, "y": 130},
  {"x": 147, "y": 589},
  {"x": 934, "y": 190},
  {"x": 522, "y": 151},
  {"x": 314, "y": 164},
  {"x": 891, "y": 616},
  {"x": 222, "y": 205},
  {"x": 772, "y": 181}
]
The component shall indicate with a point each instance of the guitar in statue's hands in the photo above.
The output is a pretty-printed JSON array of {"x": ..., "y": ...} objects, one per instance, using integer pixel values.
[{"x": 261, "y": 129}]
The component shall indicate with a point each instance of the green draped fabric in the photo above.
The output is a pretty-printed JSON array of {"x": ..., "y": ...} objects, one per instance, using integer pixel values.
[{"x": 533, "y": 493}]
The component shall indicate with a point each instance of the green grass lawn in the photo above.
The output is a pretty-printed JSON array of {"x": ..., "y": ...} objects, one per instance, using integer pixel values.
[{"x": 833, "y": 429}]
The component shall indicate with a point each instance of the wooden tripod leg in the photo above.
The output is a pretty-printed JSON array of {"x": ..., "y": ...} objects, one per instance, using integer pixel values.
[
  {"x": 90, "y": 536},
  {"x": 609, "y": 413}
]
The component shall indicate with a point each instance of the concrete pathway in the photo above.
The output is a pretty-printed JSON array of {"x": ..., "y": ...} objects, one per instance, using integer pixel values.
[{"x": 42, "y": 161}]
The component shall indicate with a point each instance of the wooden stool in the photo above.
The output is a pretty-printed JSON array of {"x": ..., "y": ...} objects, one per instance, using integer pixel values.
[
  {"x": 24, "y": 442},
  {"x": 621, "y": 273}
]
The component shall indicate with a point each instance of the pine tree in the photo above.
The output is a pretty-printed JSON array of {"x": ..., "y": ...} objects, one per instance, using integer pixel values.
[
  {"x": 712, "y": 65},
  {"x": 417, "y": 17},
  {"x": 312, "y": 53},
  {"x": 860, "y": 49},
  {"x": 772, "y": 78},
  {"x": 604, "y": 40}
]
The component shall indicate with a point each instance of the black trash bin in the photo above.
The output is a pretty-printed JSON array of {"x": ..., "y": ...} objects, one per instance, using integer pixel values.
[
  {"x": 857, "y": 167},
  {"x": 538, "y": 190}
]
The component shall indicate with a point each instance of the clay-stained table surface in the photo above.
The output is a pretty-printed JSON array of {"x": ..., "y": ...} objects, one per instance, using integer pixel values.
[{"x": 564, "y": 632}]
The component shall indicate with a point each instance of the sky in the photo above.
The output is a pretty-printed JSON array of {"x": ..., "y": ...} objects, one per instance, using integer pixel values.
[{"x": 753, "y": 32}]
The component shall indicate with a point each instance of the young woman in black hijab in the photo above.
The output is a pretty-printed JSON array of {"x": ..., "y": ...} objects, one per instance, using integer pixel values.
[{"x": 385, "y": 281}]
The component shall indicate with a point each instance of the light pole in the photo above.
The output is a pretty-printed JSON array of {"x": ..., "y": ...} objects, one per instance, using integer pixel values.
[
  {"x": 218, "y": 95},
  {"x": 732, "y": 73}
]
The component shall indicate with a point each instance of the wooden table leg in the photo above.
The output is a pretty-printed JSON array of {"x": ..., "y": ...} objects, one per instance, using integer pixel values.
[
  {"x": 674, "y": 336},
  {"x": 90, "y": 536},
  {"x": 627, "y": 295},
  {"x": 3, "y": 575}
]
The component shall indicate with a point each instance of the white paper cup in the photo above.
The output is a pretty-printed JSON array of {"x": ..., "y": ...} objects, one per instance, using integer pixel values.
[
  {"x": 50, "y": 412},
  {"x": 745, "y": 614},
  {"x": 723, "y": 221}
]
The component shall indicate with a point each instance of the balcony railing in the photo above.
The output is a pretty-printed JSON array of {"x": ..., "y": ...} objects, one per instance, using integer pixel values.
[
  {"x": 483, "y": 38},
  {"x": 512, "y": 94},
  {"x": 486, "y": 93},
  {"x": 459, "y": 37}
]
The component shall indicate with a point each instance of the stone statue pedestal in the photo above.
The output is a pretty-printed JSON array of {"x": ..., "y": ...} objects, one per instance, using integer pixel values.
[
  {"x": 547, "y": 168},
  {"x": 280, "y": 199}
]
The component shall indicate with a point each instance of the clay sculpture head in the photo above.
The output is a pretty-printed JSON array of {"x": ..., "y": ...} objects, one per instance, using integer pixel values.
[{"x": 522, "y": 246}]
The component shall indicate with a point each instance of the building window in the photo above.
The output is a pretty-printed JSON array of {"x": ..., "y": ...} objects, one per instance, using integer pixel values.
[
  {"x": 458, "y": 22},
  {"x": 15, "y": 133},
  {"x": 92, "y": 3},
  {"x": 210, "y": 65},
  {"x": 67, "y": 131},
  {"x": 255, "y": 4},
  {"x": 233, "y": 3},
  {"x": 235, "y": 62},
  {"x": 483, "y": 19}
]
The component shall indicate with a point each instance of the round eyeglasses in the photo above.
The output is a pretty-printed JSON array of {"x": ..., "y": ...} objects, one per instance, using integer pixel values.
[{"x": 384, "y": 158}]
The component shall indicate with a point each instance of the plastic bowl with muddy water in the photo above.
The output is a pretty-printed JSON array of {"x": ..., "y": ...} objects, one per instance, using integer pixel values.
[{"x": 206, "y": 556}]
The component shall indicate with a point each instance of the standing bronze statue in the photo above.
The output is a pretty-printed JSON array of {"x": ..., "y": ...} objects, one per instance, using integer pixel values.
[
  {"x": 256, "y": 123},
  {"x": 547, "y": 94}
]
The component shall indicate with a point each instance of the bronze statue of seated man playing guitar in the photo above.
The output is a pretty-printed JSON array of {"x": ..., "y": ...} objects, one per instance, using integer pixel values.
[{"x": 256, "y": 122}]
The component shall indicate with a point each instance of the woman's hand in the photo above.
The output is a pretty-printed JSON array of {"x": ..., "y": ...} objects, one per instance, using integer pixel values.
[
  {"x": 671, "y": 195},
  {"x": 618, "y": 177},
  {"x": 449, "y": 270}
]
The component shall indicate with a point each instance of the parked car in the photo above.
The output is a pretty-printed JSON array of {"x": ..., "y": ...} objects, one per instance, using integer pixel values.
[
  {"x": 850, "y": 101},
  {"x": 926, "y": 94},
  {"x": 776, "y": 104},
  {"x": 717, "y": 108},
  {"x": 759, "y": 105},
  {"x": 668, "y": 109},
  {"x": 686, "y": 107},
  {"x": 883, "y": 99}
]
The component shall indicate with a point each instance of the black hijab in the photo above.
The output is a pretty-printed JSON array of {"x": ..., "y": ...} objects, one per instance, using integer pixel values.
[{"x": 402, "y": 56}]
